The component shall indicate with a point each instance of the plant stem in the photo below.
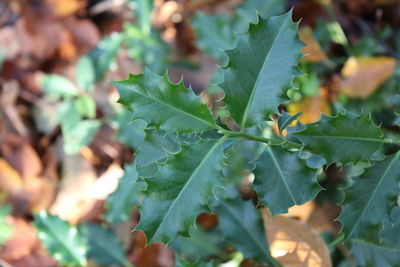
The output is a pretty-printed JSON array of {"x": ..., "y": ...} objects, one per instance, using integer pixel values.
[{"x": 338, "y": 240}]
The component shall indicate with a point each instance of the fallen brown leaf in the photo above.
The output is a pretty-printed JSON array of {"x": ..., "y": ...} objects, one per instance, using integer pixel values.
[
  {"x": 311, "y": 107},
  {"x": 294, "y": 244},
  {"x": 312, "y": 51},
  {"x": 364, "y": 75}
]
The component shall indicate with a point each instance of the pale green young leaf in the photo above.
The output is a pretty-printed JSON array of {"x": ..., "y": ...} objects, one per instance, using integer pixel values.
[
  {"x": 169, "y": 106},
  {"x": 344, "y": 138},
  {"x": 283, "y": 180},
  {"x": 85, "y": 74},
  {"x": 5, "y": 228},
  {"x": 370, "y": 199},
  {"x": 58, "y": 86},
  {"x": 61, "y": 239},
  {"x": 180, "y": 190},
  {"x": 260, "y": 69}
]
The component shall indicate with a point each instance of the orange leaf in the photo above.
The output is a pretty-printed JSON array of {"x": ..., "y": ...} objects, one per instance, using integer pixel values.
[
  {"x": 65, "y": 7},
  {"x": 311, "y": 107},
  {"x": 312, "y": 51},
  {"x": 363, "y": 75}
]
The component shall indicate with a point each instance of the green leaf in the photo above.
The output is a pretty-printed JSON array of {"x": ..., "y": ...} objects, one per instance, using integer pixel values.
[
  {"x": 6, "y": 229},
  {"x": 85, "y": 74},
  {"x": 103, "y": 56},
  {"x": 80, "y": 135},
  {"x": 283, "y": 180},
  {"x": 285, "y": 119},
  {"x": 171, "y": 107},
  {"x": 344, "y": 138},
  {"x": 214, "y": 34},
  {"x": 156, "y": 147},
  {"x": 390, "y": 233},
  {"x": 370, "y": 199},
  {"x": 86, "y": 106},
  {"x": 130, "y": 132},
  {"x": 246, "y": 12},
  {"x": 200, "y": 245},
  {"x": 104, "y": 246},
  {"x": 260, "y": 68},
  {"x": 182, "y": 263},
  {"x": 60, "y": 239},
  {"x": 121, "y": 202},
  {"x": 58, "y": 86},
  {"x": 242, "y": 224},
  {"x": 369, "y": 254},
  {"x": 180, "y": 190}
]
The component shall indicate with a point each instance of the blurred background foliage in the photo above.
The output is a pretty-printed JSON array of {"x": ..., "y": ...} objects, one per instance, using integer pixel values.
[{"x": 68, "y": 179}]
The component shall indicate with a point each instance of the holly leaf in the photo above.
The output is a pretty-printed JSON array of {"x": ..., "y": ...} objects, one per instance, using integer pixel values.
[
  {"x": 60, "y": 239},
  {"x": 283, "y": 180},
  {"x": 344, "y": 138},
  {"x": 370, "y": 199},
  {"x": 200, "y": 245},
  {"x": 104, "y": 247},
  {"x": 58, "y": 86},
  {"x": 241, "y": 222},
  {"x": 120, "y": 203},
  {"x": 179, "y": 191},
  {"x": 370, "y": 254},
  {"x": 260, "y": 68},
  {"x": 285, "y": 119},
  {"x": 214, "y": 34},
  {"x": 169, "y": 106},
  {"x": 390, "y": 233}
]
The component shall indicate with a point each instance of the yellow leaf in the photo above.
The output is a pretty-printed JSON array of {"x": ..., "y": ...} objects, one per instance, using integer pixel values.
[
  {"x": 295, "y": 244},
  {"x": 312, "y": 51},
  {"x": 363, "y": 75},
  {"x": 311, "y": 107},
  {"x": 65, "y": 7}
]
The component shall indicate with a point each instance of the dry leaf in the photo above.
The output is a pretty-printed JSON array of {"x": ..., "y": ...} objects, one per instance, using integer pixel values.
[
  {"x": 311, "y": 107},
  {"x": 21, "y": 155},
  {"x": 73, "y": 200},
  {"x": 65, "y": 8},
  {"x": 10, "y": 180},
  {"x": 363, "y": 75},
  {"x": 312, "y": 51},
  {"x": 294, "y": 244}
]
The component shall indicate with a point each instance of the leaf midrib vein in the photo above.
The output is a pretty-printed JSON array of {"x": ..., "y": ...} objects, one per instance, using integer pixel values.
[
  {"x": 175, "y": 108},
  {"x": 373, "y": 193},
  {"x": 244, "y": 118},
  {"x": 346, "y": 137},
  {"x": 239, "y": 221},
  {"x": 281, "y": 174},
  {"x": 193, "y": 174}
]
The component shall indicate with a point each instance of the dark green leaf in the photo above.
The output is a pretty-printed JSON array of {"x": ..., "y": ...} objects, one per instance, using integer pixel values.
[
  {"x": 372, "y": 255},
  {"x": 171, "y": 107},
  {"x": 285, "y": 119},
  {"x": 283, "y": 180},
  {"x": 61, "y": 239},
  {"x": 104, "y": 246},
  {"x": 371, "y": 198},
  {"x": 344, "y": 138},
  {"x": 390, "y": 233},
  {"x": 180, "y": 190},
  {"x": 260, "y": 68},
  {"x": 242, "y": 224},
  {"x": 200, "y": 245}
]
